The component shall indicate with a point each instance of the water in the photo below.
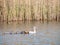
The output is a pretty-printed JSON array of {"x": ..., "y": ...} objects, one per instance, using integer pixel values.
[{"x": 48, "y": 33}]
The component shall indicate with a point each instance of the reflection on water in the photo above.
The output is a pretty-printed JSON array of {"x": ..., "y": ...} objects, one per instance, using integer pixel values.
[{"x": 47, "y": 33}]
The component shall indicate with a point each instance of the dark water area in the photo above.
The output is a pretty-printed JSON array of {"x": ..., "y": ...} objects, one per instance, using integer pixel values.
[{"x": 48, "y": 33}]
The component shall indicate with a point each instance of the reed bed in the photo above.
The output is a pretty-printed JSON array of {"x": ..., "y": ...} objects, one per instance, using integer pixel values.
[{"x": 41, "y": 10}]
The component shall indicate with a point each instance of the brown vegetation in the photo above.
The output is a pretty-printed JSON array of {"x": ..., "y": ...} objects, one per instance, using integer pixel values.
[{"x": 14, "y": 10}]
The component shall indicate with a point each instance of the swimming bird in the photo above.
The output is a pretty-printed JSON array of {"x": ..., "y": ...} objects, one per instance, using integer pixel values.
[
  {"x": 24, "y": 32},
  {"x": 29, "y": 32},
  {"x": 34, "y": 30}
]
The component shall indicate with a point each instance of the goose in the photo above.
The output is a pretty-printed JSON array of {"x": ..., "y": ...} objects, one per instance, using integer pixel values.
[
  {"x": 29, "y": 32},
  {"x": 24, "y": 32},
  {"x": 34, "y": 30}
]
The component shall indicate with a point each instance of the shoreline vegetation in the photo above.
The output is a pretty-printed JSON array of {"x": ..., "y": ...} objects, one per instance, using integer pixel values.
[{"x": 29, "y": 10}]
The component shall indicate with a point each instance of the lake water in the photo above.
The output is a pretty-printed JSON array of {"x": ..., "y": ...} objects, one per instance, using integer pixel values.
[{"x": 48, "y": 33}]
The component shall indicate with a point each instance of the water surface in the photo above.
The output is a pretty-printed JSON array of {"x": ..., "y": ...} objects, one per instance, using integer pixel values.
[{"x": 48, "y": 33}]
